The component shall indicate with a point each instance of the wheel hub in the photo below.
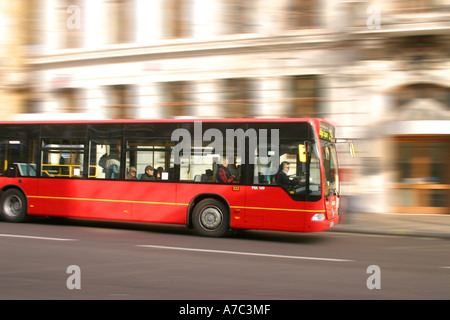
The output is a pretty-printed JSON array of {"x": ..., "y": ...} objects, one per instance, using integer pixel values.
[
  {"x": 211, "y": 218},
  {"x": 12, "y": 206}
]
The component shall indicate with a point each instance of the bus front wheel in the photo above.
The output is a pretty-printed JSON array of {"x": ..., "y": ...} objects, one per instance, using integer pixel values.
[
  {"x": 13, "y": 206},
  {"x": 211, "y": 218}
]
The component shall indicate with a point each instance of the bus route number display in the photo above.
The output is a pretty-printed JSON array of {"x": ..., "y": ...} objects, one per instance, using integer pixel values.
[{"x": 326, "y": 131}]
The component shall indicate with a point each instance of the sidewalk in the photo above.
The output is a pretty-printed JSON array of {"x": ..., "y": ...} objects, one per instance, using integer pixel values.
[{"x": 423, "y": 225}]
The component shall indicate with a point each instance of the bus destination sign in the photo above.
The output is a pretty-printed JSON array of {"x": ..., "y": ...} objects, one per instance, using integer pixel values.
[{"x": 326, "y": 131}]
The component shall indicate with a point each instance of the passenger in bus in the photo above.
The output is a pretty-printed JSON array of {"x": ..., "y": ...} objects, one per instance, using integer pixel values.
[
  {"x": 209, "y": 175},
  {"x": 223, "y": 173},
  {"x": 148, "y": 175},
  {"x": 235, "y": 170},
  {"x": 113, "y": 164},
  {"x": 131, "y": 175},
  {"x": 282, "y": 178},
  {"x": 158, "y": 173}
]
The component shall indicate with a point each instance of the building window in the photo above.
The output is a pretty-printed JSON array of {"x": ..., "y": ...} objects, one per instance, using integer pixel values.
[
  {"x": 176, "y": 18},
  {"x": 120, "y": 21},
  {"x": 239, "y": 16},
  {"x": 422, "y": 175},
  {"x": 402, "y": 95},
  {"x": 303, "y": 95},
  {"x": 300, "y": 14},
  {"x": 415, "y": 6},
  {"x": 236, "y": 97},
  {"x": 71, "y": 13},
  {"x": 31, "y": 106},
  {"x": 32, "y": 23},
  {"x": 176, "y": 99},
  {"x": 28, "y": 104},
  {"x": 120, "y": 102},
  {"x": 69, "y": 100}
]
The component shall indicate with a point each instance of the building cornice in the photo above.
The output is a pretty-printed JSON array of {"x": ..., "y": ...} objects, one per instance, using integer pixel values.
[
  {"x": 183, "y": 48},
  {"x": 392, "y": 26}
]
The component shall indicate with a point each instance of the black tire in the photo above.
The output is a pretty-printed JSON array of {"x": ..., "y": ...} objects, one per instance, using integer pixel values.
[
  {"x": 13, "y": 206},
  {"x": 211, "y": 218}
]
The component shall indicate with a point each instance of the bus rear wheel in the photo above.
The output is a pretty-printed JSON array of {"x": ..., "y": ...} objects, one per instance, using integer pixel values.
[
  {"x": 211, "y": 218},
  {"x": 13, "y": 206}
]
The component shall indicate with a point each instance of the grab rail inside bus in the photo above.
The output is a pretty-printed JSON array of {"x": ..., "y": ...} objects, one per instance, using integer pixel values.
[
  {"x": 67, "y": 170},
  {"x": 19, "y": 169}
]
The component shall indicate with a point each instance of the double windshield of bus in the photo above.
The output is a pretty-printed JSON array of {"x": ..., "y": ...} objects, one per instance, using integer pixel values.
[{"x": 329, "y": 157}]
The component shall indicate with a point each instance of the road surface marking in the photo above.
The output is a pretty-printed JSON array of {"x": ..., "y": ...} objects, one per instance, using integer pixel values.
[
  {"x": 244, "y": 253},
  {"x": 35, "y": 237}
]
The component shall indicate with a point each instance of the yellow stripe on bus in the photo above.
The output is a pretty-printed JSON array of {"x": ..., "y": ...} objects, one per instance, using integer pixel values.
[
  {"x": 277, "y": 209},
  {"x": 109, "y": 200},
  {"x": 171, "y": 203}
]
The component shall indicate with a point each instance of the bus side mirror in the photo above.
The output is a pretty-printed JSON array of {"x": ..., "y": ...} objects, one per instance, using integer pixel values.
[
  {"x": 301, "y": 153},
  {"x": 351, "y": 147}
]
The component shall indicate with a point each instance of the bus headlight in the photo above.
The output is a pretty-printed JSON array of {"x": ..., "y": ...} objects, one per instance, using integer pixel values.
[{"x": 318, "y": 217}]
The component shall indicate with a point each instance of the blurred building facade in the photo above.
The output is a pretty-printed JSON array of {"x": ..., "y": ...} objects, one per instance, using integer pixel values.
[{"x": 377, "y": 69}]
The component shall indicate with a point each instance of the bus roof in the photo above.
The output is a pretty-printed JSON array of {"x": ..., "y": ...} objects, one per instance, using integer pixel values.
[{"x": 180, "y": 120}]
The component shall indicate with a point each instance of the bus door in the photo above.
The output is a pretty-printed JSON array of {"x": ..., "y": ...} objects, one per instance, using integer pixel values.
[
  {"x": 62, "y": 169},
  {"x": 331, "y": 179}
]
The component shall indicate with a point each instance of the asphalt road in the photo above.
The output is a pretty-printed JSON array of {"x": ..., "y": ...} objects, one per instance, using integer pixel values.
[{"x": 110, "y": 260}]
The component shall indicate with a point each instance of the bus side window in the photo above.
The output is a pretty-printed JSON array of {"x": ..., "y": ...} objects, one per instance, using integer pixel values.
[
  {"x": 265, "y": 167},
  {"x": 20, "y": 154},
  {"x": 143, "y": 152},
  {"x": 104, "y": 162},
  {"x": 314, "y": 177},
  {"x": 62, "y": 158},
  {"x": 264, "y": 173}
]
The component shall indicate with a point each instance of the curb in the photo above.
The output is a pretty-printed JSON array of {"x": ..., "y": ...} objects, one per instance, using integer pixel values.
[{"x": 394, "y": 232}]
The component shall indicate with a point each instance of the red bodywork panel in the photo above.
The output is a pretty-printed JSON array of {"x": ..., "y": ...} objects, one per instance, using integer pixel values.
[{"x": 251, "y": 207}]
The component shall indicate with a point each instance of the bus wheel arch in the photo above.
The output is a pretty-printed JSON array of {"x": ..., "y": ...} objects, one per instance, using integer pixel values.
[
  {"x": 209, "y": 215},
  {"x": 13, "y": 205}
]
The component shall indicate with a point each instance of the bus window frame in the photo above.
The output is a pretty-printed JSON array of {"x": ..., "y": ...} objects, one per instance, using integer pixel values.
[
  {"x": 323, "y": 145},
  {"x": 150, "y": 145},
  {"x": 52, "y": 147}
]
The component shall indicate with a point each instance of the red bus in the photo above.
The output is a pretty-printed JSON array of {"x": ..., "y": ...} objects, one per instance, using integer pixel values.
[{"x": 211, "y": 175}]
